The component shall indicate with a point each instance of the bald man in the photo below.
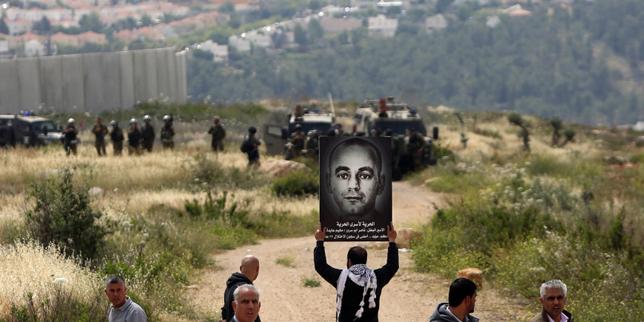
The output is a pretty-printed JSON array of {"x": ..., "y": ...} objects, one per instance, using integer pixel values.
[{"x": 248, "y": 271}]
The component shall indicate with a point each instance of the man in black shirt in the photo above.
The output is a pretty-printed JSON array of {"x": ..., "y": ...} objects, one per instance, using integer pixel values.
[{"x": 358, "y": 287}]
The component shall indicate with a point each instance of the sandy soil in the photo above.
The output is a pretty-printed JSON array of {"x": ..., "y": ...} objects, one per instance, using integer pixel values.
[{"x": 410, "y": 296}]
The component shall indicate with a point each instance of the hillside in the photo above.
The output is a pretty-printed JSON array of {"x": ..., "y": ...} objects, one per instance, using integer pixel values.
[{"x": 581, "y": 63}]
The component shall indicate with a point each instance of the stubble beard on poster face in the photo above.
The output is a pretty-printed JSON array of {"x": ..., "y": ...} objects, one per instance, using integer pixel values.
[{"x": 354, "y": 205}]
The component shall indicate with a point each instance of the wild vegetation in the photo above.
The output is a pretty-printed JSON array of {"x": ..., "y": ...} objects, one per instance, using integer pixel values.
[
  {"x": 155, "y": 219},
  {"x": 569, "y": 213}
]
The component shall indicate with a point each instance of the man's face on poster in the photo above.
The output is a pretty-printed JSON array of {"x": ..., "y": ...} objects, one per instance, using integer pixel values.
[{"x": 355, "y": 178}]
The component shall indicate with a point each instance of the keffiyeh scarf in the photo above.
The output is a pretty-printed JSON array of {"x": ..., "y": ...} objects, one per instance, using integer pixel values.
[{"x": 362, "y": 276}]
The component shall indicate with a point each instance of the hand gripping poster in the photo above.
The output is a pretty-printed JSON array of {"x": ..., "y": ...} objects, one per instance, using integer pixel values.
[{"x": 355, "y": 187}]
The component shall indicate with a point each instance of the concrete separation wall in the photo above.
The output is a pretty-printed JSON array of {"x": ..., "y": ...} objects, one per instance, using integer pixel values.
[{"x": 92, "y": 82}]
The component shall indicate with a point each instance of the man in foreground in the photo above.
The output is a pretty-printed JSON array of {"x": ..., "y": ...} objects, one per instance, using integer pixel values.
[
  {"x": 358, "y": 287},
  {"x": 122, "y": 308},
  {"x": 246, "y": 304},
  {"x": 248, "y": 272},
  {"x": 462, "y": 298},
  {"x": 553, "y": 299}
]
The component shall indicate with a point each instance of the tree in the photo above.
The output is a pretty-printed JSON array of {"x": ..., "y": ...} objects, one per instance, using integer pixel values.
[
  {"x": 315, "y": 30},
  {"x": 146, "y": 21},
  {"x": 42, "y": 26},
  {"x": 556, "y": 129},
  {"x": 524, "y": 134},
  {"x": 91, "y": 22},
  {"x": 300, "y": 37},
  {"x": 227, "y": 8},
  {"x": 4, "y": 29}
]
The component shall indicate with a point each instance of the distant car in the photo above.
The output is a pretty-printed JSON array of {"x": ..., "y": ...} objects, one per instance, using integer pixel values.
[
  {"x": 276, "y": 135},
  {"x": 28, "y": 130}
]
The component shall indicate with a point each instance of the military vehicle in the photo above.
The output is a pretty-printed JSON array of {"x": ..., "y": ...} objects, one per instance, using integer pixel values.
[
  {"x": 309, "y": 120},
  {"x": 411, "y": 147},
  {"x": 28, "y": 130}
]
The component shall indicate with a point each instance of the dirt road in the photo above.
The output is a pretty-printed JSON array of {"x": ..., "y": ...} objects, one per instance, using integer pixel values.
[{"x": 410, "y": 296}]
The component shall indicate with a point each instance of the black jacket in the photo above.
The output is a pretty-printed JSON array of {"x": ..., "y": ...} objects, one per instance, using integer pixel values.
[
  {"x": 353, "y": 292},
  {"x": 234, "y": 281},
  {"x": 442, "y": 315}
]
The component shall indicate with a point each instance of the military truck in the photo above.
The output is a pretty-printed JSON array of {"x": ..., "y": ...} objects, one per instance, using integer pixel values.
[
  {"x": 309, "y": 120},
  {"x": 411, "y": 147},
  {"x": 28, "y": 130}
]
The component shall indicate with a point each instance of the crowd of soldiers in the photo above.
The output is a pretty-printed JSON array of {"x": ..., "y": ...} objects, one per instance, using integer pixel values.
[{"x": 139, "y": 139}]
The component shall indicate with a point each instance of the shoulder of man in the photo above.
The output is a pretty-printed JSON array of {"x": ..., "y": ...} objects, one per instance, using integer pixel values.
[
  {"x": 538, "y": 317},
  {"x": 137, "y": 314}
]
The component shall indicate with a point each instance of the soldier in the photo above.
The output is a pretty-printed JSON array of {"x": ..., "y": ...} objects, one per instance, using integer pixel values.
[
  {"x": 147, "y": 133},
  {"x": 167, "y": 133},
  {"x": 134, "y": 138},
  {"x": 298, "y": 139},
  {"x": 250, "y": 146},
  {"x": 70, "y": 134},
  {"x": 415, "y": 148},
  {"x": 117, "y": 138},
  {"x": 99, "y": 131},
  {"x": 218, "y": 134},
  {"x": 312, "y": 144}
]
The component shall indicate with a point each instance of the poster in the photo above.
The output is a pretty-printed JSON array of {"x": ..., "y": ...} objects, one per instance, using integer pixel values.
[{"x": 355, "y": 188}]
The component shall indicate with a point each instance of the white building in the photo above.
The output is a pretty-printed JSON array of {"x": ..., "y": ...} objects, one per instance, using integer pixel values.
[
  {"x": 219, "y": 52},
  {"x": 435, "y": 23},
  {"x": 34, "y": 48},
  {"x": 382, "y": 26}
]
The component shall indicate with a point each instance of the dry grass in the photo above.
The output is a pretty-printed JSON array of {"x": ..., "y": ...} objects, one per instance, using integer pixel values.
[{"x": 28, "y": 268}]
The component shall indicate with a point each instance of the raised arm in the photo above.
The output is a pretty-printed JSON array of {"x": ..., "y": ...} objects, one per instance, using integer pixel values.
[
  {"x": 388, "y": 271},
  {"x": 328, "y": 273}
]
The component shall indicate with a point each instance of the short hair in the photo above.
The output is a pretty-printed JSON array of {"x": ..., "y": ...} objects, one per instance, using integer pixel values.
[
  {"x": 558, "y": 284},
  {"x": 357, "y": 255},
  {"x": 114, "y": 279},
  {"x": 249, "y": 287},
  {"x": 373, "y": 150},
  {"x": 459, "y": 290}
]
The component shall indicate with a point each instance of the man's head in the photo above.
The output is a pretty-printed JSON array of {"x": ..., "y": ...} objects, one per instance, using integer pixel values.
[
  {"x": 250, "y": 267},
  {"x": 246, "y": 303},
  {"x": 99, "y": 121},
  {"x": 116, "y": 290},
  {"x": 215, "y": 120},
  {"x": 553, "y": 297},
  {"x": 356, "y": 255},
  {"x": 462, "y": 295},
  {"x": 355, "y": 177}
]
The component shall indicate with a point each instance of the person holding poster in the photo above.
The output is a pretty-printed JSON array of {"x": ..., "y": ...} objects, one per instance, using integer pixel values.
[
  {"x": 358, "y": 287},
  {"x": 355, "y": 196}
]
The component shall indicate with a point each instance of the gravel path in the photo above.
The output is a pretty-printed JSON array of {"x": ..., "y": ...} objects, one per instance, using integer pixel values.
[{"x": 410, "y": 296}]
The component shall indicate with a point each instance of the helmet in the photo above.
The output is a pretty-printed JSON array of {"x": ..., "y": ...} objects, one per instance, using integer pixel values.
[
  {"x": 252, "y": 130},
  {"x": 114, "y": 123},
  {"x": 132, "y": 120},
  {"x": 71, "y": 120},
  {"x": 146, "y": 117},
  {"x": 167, "y": 117}
]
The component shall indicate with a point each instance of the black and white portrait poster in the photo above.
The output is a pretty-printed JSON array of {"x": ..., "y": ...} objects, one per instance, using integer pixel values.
[{"x": 355, "y": 188}]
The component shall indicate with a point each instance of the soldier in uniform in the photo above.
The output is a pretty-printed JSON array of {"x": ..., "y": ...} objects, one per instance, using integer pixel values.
[
  {"x": 312, "y": 144},
  {"x": 147, "y": 133},
  {"x": 250, "y": 146},
  {"x": 70, "y": 137},
  {"x": 415, "y": 147},
  {"x": 218, "y": 134},
  {"x": 298, "y": 139},
  {"x": 134, "y": 138},
  {"x": 167, "y": 133},
  {"x": 100, "y": 131},
  {"x": 117, "y": 138}
]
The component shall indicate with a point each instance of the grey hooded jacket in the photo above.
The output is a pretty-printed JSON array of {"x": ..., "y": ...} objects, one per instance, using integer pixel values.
[{"x": 443, "y": 315}]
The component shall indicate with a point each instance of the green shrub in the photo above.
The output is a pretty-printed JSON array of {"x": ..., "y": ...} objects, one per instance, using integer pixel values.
[
  {"x": 63, "y": 216},
  {"x": 218, "y": 209},
  {"x": 296, "y": 184},
  {"x": 310, "y": 282},
  {"x": 286, "y": 261},
  {"x": 61, "y": 306},
  {"x": 208, "y": 173},
  {"x": 233, "y": 237}
]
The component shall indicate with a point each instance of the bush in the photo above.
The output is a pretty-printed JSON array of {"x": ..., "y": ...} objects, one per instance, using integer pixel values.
[
  {"x": 63, "y": 216},
  {"x": 61, "y": 306},
  {"x": 296, "y": 184},
  {"x": 207, "y": 173}
]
